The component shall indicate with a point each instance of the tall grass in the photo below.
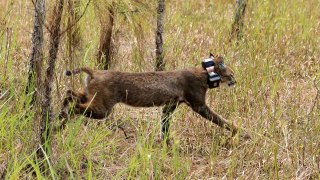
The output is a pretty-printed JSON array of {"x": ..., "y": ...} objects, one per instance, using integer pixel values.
[{"x": 277, "y": 69}]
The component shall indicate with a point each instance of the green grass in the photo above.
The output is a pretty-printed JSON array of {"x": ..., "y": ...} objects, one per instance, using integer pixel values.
[{"x": 276, "y": 64}]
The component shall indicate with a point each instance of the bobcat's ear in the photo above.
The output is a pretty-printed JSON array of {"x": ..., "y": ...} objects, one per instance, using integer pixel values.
[{"x": 211, "y": 55}]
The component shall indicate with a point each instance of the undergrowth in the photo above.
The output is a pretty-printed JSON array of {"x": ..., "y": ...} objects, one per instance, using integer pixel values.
[{"x": 276, "y": 65}]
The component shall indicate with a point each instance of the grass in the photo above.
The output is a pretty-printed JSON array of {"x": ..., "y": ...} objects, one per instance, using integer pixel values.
[{"x": 276, "y": 65}]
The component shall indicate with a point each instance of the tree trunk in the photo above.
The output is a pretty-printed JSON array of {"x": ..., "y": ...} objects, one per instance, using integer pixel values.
[
  {"x": 73, "y": 35},
  {"x": 237, "y": 26},
  {"x": 105, "y": 47},
  {"x": 160, "y": 64},
  {"x": 36, "y": 57},
  {"x": 47, "y": 114}
]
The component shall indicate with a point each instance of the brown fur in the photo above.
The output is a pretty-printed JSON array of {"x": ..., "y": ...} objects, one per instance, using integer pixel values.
[{"x": 105, "y": 88}]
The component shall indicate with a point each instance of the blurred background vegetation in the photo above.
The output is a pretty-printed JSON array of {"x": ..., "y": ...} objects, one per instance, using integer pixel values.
[{"x": 276, "y": 64}]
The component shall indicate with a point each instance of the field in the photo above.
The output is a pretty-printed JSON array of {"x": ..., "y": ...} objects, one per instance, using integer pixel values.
[{"x": 276, "y": 98}]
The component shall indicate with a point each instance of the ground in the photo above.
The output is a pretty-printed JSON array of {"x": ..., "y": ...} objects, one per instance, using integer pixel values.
[{"x": 276, "y": 65}]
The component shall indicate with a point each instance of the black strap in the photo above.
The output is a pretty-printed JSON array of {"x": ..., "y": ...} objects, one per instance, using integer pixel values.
[{"x": 213, "y": 78}]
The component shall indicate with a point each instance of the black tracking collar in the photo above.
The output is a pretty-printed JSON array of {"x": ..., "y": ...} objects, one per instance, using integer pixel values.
[{"x": 213, "y": 78}]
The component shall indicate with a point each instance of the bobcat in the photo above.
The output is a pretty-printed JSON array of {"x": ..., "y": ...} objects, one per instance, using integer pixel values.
[{"x": 105, "y": 88}]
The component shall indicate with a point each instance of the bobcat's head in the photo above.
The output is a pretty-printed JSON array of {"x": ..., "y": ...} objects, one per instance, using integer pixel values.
[{"x": 225, "y": 72}]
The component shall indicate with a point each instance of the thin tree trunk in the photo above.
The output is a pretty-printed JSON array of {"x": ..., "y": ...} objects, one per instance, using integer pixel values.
[
  {"x": 47, "y": 114},
  {"x": 160, "y": 64},
  {"x": 237, "y": 26},
  {"x": 105, "y": 47},
  {"x": 36, "y": 57},
  {"x": 139, "y": 47},
  {"x": 74, "y": 30},
  {"x": 73, "y": 34}
]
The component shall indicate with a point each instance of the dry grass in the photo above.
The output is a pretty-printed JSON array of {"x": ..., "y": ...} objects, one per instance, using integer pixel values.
[{"x": 277, "y": 69}]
